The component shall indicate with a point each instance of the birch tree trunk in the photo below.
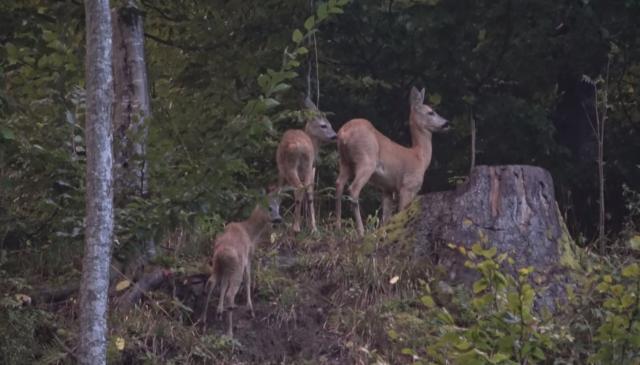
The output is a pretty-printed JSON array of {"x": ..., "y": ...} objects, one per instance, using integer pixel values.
[{"x": 99, "y": 185}]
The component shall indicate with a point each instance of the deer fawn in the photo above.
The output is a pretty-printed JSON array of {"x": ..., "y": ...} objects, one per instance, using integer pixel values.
[
  {"x": 368, "y": 155},
  {"x": 296, "y": 156},
  {"x": 231, "y": 259}
]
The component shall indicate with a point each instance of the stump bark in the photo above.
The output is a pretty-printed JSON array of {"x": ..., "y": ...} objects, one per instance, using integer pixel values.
[{"x": 512, "y": 208}]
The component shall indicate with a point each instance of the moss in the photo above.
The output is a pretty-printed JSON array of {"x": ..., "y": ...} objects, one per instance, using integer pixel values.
[{"x": 571, "y": 256}]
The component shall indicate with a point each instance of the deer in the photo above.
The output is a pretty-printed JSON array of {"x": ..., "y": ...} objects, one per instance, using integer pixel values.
[
  {"x": 366, "y": 155},
  {"x": 296, "y": 156},
  {"x": 231, "y": 258}
]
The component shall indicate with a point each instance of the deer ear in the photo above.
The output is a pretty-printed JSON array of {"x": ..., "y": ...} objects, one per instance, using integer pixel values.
[
  {"x": 308, "y": 104},
  {"x": 422, "y": 93},
  {"x": 416, "y": 96}
]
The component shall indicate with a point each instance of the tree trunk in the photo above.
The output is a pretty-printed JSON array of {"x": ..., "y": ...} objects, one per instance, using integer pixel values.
[
  {"x": 99, "y": 186},
  {"x": 132, "y": 107},
  {"x": 132, "y": 110}
]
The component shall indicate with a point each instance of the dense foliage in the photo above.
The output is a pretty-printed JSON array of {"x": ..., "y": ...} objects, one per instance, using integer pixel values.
[{"x": 226, "y": 79}]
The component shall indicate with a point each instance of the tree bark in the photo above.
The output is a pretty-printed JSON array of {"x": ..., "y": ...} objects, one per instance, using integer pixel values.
[
  {"x": 512, "y": 208},
  {"x": 99, "y": 186},
  {"x": 132, "y": 107},
  {"x": 132, "y": 110}
]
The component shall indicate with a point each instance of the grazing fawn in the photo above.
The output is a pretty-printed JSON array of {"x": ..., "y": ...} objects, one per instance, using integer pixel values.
[
  {"x": 296, "y": 156},
  {"x": 231, "y": 259},
  {"x": 398, "y": 171}
]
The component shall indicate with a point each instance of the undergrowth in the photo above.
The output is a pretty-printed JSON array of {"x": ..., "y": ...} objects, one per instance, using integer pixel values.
[{"x": 330, "y": 298}]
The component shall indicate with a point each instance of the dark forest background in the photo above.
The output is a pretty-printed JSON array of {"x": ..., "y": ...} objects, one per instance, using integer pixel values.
[{"x": 531, "y": 79}]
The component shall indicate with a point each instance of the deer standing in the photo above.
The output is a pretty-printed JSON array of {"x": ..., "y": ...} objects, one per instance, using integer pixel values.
[
  {"x": 231, "y": 259},
  {"x": 398, "y": 171},
  {"x": 296, "y": 156}
]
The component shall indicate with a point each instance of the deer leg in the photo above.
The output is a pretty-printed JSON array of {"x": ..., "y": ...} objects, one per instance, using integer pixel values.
[
  {"x": 404, "y": 198},
  {"x": 387, "y": 206},
  {"x": 247, "y": 284},
  {"x": 309, "y": 198},
  {"x": 343, "y": 177},
  {"x": 298, "y": 195},
  {"x": 224, "y": 285},
  {"x": 211, "y": 283},
  {"x": 235, "y": 280},
  {"x": 229, "y": 323},
  {"x": 362, "y": 175}
]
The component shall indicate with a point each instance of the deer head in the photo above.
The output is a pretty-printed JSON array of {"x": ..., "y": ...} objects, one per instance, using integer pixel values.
[
  {"x": 318, "y": 127},
  {"x": 273, "y": 204},
  {"x": 423, "y": 116}
]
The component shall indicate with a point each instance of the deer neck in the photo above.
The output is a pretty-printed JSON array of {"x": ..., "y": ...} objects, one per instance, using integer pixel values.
[
  {"x": 315, "y": 142},
  {"x": 256, "y": 224},
  {"x": 421, "y": 144}
]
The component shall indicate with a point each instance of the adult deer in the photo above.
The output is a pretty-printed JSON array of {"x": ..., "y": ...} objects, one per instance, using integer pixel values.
[
  {"x": 398, "y": 171},
  {"x": 296, "y": 156},
  {"x": 231, "y": 259}
]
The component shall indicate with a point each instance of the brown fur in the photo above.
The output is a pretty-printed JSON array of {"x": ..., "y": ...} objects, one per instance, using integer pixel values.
[
  {"x": 231, "y": 261},
  {"x": 296, "y": 157},
  {"x": 398, "y": 171}
]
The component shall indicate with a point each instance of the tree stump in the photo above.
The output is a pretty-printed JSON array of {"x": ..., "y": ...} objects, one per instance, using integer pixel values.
[{"x": 512, "y": 208}]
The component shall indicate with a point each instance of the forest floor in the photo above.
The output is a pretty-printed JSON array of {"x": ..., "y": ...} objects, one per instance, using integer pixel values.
[
  {"x": 309, "y": 294},
  {"x": 293, "y": 312},
  {"x": 317, "y": 300}
]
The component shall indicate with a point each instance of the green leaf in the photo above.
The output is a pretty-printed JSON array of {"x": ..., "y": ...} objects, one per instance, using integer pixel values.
[
  {"x": 602, "y": 287},
  {"x": 407, "y": 351},
  {"x": 263, "y": 81},
  {"x": 462, "y": 345},
  {"x": 310, "y": 23},
  {"x": 393, "y": 334},
  {"x": 435, "y": 99},
  {"x": 297, "y": 36},
  {"x": 428, "y": 302},
  {"x": 280, "y": 87},
  {"x": 490, "y": 252},
  {"x": 445, "y": 316},
  {"x": 631, "y": 271},
  {"x": 627, "y": 300},
  {"x": 12, "y": 53},
  {"x": 7, "y": 133},
  {"x": 499, "y": 357},
  {"x": 480, "y": 285},
  {"x": 322, "y": 11},
  {"x": 302, "y": 50},
  {"x": 270, "y": 103},
  {"x": 634, "y": 243},
  {"x": 482, "y": 34}
]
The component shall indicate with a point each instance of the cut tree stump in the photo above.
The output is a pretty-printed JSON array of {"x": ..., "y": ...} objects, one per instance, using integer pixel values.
[{"x": 511, "y": 207}]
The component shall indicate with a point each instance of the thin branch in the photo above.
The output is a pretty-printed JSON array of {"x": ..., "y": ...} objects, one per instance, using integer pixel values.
[
  {"x": 183, "y": 47},
  {"x": 162, "y": 13}
]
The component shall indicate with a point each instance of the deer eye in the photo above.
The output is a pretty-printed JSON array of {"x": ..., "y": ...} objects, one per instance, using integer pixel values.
[
  {"x": 324, "y": 126},
  {"x": 431, "y": 113}
]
